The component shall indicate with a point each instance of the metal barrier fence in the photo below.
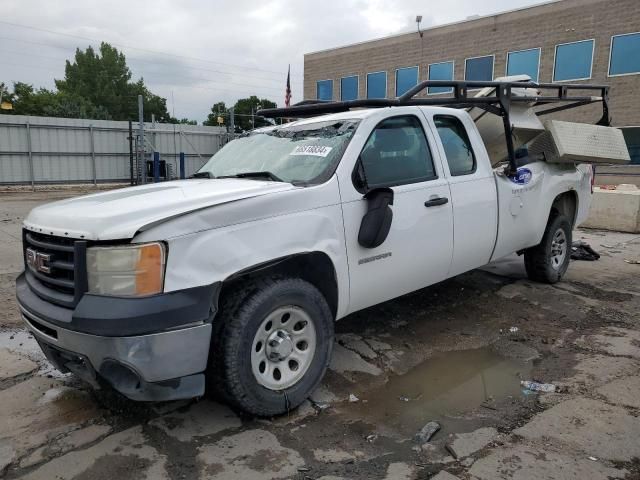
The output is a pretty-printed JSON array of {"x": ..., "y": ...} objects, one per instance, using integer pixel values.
[{"x": 39, "y": 150}]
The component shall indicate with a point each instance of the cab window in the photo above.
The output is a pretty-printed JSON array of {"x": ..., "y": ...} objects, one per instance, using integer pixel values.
[
  {"x": 457, "y": 147},
  {"x": 397, "y": 153}
]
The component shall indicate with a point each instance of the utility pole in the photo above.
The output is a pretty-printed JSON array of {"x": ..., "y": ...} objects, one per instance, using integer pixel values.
[
  {"x": 232, "y": 120},
  {"x": 141, "y": 163}
]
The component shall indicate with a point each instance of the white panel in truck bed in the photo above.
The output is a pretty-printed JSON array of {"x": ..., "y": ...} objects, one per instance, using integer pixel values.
[{"x": 570, "y": 142}]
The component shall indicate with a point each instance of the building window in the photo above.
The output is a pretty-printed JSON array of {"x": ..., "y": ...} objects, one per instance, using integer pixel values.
[
  {"x": 479, "y": 69},
  {"x": 632, "y": 137},
  {"x": 573, "y": 61},
  {"x": 377, "y": 85},
  {"x": 440, "y": 71},
  {"x": 524, "y": 62},
  {"x": 324, "y": 89},
  {"x": 349, "y": 88},
  {"x": 625, "y": 54},
  {"x": 406, "y": 78}
]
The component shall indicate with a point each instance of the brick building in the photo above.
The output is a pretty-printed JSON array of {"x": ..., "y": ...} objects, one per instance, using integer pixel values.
[{"x": 576, "y": 41}]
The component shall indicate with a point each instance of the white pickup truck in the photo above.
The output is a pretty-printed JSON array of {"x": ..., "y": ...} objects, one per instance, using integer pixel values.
[{"x": 232, "y": 280}]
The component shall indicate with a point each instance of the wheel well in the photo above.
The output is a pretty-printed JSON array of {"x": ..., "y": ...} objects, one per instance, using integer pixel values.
[
  {"x": 566, "y": 204},
  {"x": 313, "y": 267}
]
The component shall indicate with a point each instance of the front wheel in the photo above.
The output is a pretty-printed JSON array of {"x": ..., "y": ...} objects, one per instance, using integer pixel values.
[
  {"x": 548, "y": 261},
  {"x": 274, "y": 346}
]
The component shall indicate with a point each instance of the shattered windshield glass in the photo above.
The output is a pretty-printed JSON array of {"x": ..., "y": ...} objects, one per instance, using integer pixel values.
[{"x": 302, "y": 154}]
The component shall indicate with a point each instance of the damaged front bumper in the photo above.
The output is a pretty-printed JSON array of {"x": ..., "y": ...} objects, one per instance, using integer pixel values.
[{"x": 154, "y": 366}]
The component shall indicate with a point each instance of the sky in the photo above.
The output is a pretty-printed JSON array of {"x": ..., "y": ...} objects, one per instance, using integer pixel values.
[{"x": 198, "y": 52}]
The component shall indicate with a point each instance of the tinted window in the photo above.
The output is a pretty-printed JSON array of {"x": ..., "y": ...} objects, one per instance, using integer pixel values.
[
  {"x": 457, "y": 146},
  {"x": 377, "y": 85},
  {"x": 524, "y": 62},
  {"x": 625, "y": 54},
  {"x": 440, "y": 71},
  {"x": 479, "y": 69},
  {"x": 324, "y": 89},
  {"x": 573, "y": 61},
  {"x": 349, "y": 88},
  {"x": 406, "y": 78},
  {"x": 397, "y": 153},
  {"x": 632, "y": 137}
]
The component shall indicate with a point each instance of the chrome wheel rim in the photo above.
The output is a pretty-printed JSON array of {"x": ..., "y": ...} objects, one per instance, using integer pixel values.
[
  {"x": 283, "y": 348},
  {"x": 558, "y": 249}
]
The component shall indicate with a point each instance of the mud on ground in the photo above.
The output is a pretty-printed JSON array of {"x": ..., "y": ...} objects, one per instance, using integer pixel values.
[{"x": 454, "y": 353}]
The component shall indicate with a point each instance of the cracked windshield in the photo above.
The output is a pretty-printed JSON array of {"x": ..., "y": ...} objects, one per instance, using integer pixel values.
[{"x": 296, "y": 154}]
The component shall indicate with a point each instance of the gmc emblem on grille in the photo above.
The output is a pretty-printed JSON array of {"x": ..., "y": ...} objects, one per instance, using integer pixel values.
[{"x": 38, "y": 261}]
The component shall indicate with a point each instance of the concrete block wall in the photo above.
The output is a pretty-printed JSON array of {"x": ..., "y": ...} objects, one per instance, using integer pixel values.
[{"x": 617, "y": 210}]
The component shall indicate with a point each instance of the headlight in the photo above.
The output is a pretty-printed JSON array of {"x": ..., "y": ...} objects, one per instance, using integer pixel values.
[{"x": 128, "y": 271}]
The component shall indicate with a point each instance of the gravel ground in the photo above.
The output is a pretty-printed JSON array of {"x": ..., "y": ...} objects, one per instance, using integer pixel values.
[{"x": 453, "y": 353}]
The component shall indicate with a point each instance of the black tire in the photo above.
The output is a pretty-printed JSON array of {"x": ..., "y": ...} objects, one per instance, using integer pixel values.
[
  {"x": 539, "y": 261},
  {"x": 241, "y": 314}
]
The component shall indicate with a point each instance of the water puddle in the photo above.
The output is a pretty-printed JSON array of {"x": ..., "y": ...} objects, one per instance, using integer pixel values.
[
  {"x": 21, "y": 341},
  {"x": 443, "y": 387}
]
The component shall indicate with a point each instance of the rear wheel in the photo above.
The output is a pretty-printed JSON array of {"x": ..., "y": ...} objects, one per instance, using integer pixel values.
[
  {"x": 273, "y": 345},
  {"x": 548, "y": 261}
]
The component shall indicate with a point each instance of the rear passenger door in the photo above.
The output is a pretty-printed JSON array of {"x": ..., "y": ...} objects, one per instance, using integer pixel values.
[
  {"x": 473, "y": 191},
  {"x": 417, "y": 252}
]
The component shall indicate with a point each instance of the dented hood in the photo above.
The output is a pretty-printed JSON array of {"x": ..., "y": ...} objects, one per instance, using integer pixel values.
[{"x": 119, "y": 214}]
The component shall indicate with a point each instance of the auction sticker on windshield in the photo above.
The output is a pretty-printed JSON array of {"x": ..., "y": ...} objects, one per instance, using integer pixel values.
[{"x": 315, "y": 150}]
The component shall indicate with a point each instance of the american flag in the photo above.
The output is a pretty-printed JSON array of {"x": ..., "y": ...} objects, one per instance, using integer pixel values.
[{"x": 287, "y": 92}]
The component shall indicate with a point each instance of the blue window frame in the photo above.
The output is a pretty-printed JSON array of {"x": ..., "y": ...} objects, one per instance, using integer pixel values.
[
  {"x": 479, "y": 69},
  {"x": 377, "y": 85},
  {"x": 440, "y": 71},
  {"x": 524, "y": 62},
  {"x": 349, "y": 88},
  {"x": 406, "y": 78},
  {"x": 324, "y": 90},
  {"x": 625, "y": 54},
  {"x": 573, "y": 61}
]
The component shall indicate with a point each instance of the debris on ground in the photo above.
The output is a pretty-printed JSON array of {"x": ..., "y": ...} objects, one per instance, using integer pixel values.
[
  {"x": 513, "y": 330},
  {"x": 582, "y": 251},
  {"x": 320, "y": 405},
  {"x": 403, "y": 398},
  {"x": 538, "y": 387},
  {"x": 353, "y": 398},
  {"x": 426, "y": 432},
  {"x": 632, "y": 262}
]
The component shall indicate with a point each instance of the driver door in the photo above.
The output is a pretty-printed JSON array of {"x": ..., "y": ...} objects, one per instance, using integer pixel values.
[{"x": 419, "y": 247}]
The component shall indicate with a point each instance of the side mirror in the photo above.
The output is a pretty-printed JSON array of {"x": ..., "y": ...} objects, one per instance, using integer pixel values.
[{"x": 376, "y": 223}]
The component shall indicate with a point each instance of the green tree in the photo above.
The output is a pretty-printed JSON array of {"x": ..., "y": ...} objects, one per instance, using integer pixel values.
[
  {"x": 217, "y": 110},
  {"x": 245, "y": 117},
  {"x": 104, "y": 80},
  {"x": 29, "y": 101},
  {"x": 245, "y": 109}
]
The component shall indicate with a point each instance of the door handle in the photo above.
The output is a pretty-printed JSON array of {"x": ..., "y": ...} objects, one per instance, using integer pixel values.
[{"x": 434, "y": 202}]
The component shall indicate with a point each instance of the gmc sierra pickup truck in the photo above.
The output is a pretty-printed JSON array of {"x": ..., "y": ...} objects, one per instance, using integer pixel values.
[{"x": 232, "y": 280}]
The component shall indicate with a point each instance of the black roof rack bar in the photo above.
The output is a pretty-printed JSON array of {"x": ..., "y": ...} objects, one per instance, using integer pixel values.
[
  {"x": 459, "y": 99},
  {"x": 498, "y": 104}
]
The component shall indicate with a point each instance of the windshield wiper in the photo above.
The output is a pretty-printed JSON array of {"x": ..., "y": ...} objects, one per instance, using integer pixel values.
[
  {"x": 264, "y": 174},
  {"x": 202, "y": 175}
]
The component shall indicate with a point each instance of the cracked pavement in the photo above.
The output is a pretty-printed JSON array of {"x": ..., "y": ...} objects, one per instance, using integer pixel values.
[{"x": 453, "y": 353}]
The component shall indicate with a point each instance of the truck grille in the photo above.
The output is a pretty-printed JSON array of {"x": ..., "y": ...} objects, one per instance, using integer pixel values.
[{"x": 55, "y": 267}]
